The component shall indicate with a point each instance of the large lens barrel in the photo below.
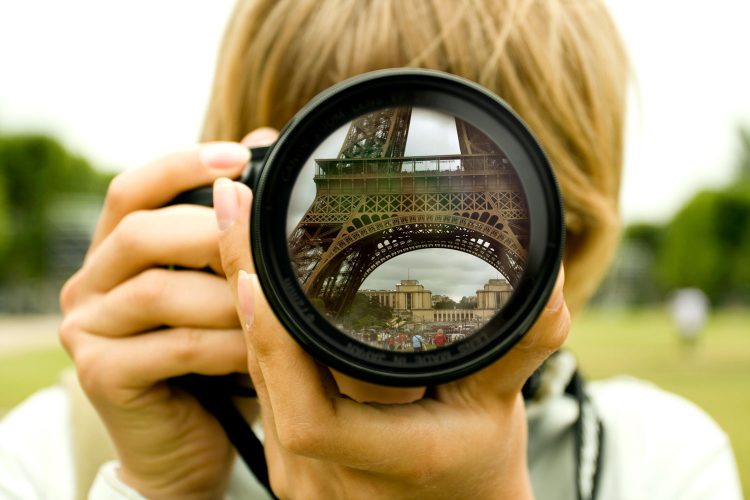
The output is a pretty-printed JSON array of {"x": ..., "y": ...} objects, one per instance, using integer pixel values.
[{"x": 407, "y": 227}]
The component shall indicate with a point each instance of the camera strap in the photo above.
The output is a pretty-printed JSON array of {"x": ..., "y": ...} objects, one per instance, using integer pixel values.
[
  {"x": 589, "y": 441},
  {"x": 215, "y": 394}
]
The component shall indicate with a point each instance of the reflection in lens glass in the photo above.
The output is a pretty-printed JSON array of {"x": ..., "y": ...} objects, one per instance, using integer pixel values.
[{"x": 408, "y": 229}]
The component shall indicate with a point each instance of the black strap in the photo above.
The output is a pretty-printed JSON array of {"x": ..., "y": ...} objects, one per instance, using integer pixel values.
[
  {"x": 589, "y": 441},
  {"x": 215, "y": 395}
]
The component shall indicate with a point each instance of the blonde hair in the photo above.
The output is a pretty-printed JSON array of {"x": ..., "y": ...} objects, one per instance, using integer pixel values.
[{"x": 559, "y": 63}]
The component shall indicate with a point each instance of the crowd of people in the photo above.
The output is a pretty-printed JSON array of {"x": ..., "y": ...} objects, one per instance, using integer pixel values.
[{"x": 400, "y": 340}]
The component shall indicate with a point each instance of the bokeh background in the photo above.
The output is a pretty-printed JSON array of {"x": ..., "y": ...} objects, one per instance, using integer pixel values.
[{"x": 91, "y": 88}]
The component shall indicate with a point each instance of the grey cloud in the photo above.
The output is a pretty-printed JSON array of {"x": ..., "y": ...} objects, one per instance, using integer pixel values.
[{"x": 444, "y": 272}]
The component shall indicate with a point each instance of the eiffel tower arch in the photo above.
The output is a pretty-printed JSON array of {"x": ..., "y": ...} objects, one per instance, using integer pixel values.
[{"x": 372, "y": 204}]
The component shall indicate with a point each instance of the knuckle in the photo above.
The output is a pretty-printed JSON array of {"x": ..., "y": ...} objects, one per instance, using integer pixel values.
[
  {"x": 69, "y": 292},
  {"x": 562, "y": 330},
  {"x": 231, "y": 259},
  {"x": 277, "y": 478},
  {"x": 68, "y": 332},
  {"x": 148, "y": 289},
  {"x": 300, "y": 438},
  {"x": 548, "y": 335},
  {"x": 88, "y": 363},
  {"x": 129, "y": 233},
  {"x": 117, "y": 194},
  {"x": 186, "y": 345}
]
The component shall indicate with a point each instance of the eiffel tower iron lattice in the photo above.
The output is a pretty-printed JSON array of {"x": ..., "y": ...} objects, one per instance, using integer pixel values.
[{"x": 372, "y": 204}]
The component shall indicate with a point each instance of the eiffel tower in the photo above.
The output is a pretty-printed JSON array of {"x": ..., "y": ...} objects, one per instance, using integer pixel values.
[{"x": 372, "y": 204}]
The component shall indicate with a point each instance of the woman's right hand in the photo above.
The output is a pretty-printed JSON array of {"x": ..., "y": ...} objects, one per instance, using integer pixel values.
[{"x": 130, "y": 323}]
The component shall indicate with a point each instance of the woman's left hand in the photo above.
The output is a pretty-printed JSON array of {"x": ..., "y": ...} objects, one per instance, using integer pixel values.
[{"x": 469, "y": 439}]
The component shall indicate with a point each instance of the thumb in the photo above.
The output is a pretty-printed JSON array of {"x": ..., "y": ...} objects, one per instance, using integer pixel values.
[{"x": 232, "y": 203}]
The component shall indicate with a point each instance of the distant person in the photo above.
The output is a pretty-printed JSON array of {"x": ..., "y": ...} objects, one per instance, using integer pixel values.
[
  {"x": 689, "y": 310},
  {"x": 417, "y": 343},
  {"x": 439, "y": 338},
  {"x": 402, "y": 339}
]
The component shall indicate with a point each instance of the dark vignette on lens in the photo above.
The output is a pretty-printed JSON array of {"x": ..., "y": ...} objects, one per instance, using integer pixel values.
[{"x": 330, "y": 111}]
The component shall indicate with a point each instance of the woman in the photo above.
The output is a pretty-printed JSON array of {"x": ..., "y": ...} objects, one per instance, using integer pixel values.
[{"x": 561, "y": 66}]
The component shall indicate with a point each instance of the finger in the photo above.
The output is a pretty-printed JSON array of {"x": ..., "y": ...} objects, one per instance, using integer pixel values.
[
  {"x": 157, "y": 183},
  {"x": 262, "y": 136},
  {"x": 265, "y": 332},
  {"x": 366, "y": 392},
  {"x": 141, "y": 361},
  {"x": 184, "y": 235},
  {"x": 160, "y": 297},
  {"x": 232, "y": 204},
  {"x": 246, "y": 303},
  {"x": 506, "y": 376}
]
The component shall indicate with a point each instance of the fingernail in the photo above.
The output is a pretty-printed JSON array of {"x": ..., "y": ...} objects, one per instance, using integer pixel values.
[
  {"x": 245, "y": 296},
  {"x": 223, "y": 155},
  {"x": 226, "y": 205},
  {"x": 260, "y": 137}
]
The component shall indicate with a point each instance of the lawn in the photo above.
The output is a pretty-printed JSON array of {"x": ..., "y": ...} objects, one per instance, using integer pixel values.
[
  {"x": 715, "y": 374},
  {"x": 24, "y": 373}
]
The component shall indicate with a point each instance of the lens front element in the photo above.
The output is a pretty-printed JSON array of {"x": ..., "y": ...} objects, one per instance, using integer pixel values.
[{"x": 408, "y": 229}]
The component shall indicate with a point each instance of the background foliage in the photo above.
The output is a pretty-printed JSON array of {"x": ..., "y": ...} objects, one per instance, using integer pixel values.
[
  {"x": 40, "y": 180},
  {"x": 705, "y": 245}
]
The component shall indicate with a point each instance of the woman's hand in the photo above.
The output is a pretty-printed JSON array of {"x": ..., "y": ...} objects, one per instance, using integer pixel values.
[
  {"x": 469, "y": 440},
  {"x": 130, "y": 323}
]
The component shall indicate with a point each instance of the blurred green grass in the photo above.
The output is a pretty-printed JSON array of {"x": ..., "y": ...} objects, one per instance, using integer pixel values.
[
  {"x": 27, "y": 371},
  {"x": 715, "y": 374}
]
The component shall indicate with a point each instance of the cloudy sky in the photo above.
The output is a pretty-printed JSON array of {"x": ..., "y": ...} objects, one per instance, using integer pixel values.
[
  {"x": 431, "y": 133},
  {"x": 124, "y": 82},
  {"x": 444, "y": 272}
]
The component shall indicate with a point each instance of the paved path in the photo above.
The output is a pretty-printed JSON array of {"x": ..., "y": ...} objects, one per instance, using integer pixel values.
[{"x": 27, "y": 333}]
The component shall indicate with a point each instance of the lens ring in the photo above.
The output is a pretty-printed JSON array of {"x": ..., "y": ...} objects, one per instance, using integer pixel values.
[{"x": 334, "y": 108}]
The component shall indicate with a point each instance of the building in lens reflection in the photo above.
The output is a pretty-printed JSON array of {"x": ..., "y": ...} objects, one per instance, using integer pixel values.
[{"x": 411, "y": 302}]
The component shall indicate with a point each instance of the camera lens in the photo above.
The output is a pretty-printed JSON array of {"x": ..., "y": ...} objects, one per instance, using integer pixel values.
[{"x": 407, "y": 227}]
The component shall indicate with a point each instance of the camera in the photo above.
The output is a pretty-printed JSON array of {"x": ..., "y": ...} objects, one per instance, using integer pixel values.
[{"x": 406, "y": 228}]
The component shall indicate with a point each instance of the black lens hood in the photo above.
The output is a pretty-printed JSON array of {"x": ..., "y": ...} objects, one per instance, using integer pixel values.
[{"x": 334, "y": 108}]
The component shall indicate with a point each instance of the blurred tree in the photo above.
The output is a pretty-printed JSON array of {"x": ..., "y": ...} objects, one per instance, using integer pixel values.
[
  {"x": 468, "y": 303},
  {"x": 4, "y": 219},
  {"x": 707, "y": 245},
  {"x": 446, "y": 304},
  {"x": 365, "y": 312},
  {"x": 692, "y": 254},
  {"x": 35, "y": 171},
  {"x": 646, "y": 234},
  {"x": 734, "y": 232},
  {"x": 631, "y": 278}
]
